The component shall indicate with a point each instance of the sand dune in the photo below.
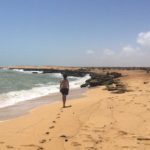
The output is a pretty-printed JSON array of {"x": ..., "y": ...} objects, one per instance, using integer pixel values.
[{"x": 99, "y": 121}]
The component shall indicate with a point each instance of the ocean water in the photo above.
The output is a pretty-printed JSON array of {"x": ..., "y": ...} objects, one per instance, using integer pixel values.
[{"x": 18, "y": 85}]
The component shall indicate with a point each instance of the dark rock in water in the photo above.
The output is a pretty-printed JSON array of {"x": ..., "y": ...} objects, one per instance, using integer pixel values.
[
  {"x": 34, "y": 72},
  {"x": 84, "y": 85}
]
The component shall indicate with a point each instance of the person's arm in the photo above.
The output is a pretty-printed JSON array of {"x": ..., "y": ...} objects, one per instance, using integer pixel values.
[
  {"x": 60, "y": 84},
  {"x": 68, "y": 84}
]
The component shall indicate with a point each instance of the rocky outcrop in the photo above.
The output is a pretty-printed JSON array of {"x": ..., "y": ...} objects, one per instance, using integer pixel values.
[
  {"x": 101, "y": 79},
  {"x": 110, "y": 80},
  {"x": 76, "y": 73},
  {"x": 117, "y": 87}
]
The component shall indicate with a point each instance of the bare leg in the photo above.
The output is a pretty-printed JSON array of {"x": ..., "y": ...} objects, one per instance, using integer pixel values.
[{"x": 64, "y": 100}]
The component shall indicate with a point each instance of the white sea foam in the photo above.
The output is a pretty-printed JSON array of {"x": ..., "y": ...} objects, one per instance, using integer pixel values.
[
  {"x": 12, "y": 98},
  {"x": 57, "y": 75},
  {"x": 29, "y": 72}
]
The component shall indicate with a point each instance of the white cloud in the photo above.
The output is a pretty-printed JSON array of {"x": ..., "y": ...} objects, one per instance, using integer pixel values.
[
  {"x": 144, "y": 39},
  {"x": 108, "y": 52},
  {"x": 129, "y": 50},
  {"x": 90, "y": 51}
]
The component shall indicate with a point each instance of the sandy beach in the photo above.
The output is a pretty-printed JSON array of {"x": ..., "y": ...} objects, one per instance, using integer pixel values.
[
  {"x": 98, "y": 51},
  {"x": 98, "y": 120}
]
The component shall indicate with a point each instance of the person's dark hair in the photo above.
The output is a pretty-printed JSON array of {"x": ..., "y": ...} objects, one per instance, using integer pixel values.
[{"x": 64, "y": 76}]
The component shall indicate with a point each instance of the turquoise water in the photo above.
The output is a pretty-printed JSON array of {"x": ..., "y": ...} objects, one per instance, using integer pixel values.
[
  {"x": 16, "y": 81},
  {"x": 19, "y": 85}
]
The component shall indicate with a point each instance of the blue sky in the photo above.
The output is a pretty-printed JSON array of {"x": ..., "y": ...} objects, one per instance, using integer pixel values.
[{"x": 75, "y": 32}]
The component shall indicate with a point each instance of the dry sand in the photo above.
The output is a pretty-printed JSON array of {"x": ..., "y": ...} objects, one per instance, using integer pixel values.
[
  {"x": 100, "y": 120},
  {"x": 44, "y": 67}
]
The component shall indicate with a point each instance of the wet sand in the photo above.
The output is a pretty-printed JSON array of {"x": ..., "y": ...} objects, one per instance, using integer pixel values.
[{"x": 25, "y": 107}]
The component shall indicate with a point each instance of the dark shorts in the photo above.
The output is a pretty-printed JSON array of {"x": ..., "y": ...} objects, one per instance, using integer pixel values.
[{"x": 64, "y": 91}]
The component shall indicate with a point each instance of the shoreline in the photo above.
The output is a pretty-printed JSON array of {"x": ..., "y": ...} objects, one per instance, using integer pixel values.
[{"x": 25, "y": 107}]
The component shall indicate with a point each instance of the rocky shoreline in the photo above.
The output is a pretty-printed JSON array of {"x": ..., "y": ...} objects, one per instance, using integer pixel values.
[{"x": 110, "y": 79}]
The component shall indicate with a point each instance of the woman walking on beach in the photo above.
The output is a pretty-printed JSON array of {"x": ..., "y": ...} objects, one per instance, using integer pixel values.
[{"x": 64, "y": 89}]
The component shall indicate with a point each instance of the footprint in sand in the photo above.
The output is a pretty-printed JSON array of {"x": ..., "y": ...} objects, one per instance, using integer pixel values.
[
  {"x": 64, "y": 136},
  {"x": 51, "y": 127},
  {"x": 76, "y": 144},
  {"x": 90, "y": 148},
  {"x": 54, "y": 121},
  {"x": 43, "y": 141},
  {"x": 2, "y": 142},
  {"x": 40, "y": 148},
  {"x": 9, "y": 146},
  {"x": 47, "y": 133},
  {"x": 32, "y": 145},
  {"x": 123, "y": 133},
  {"x": 99, "y": 141},
  {"x": 58, "y": 115}
]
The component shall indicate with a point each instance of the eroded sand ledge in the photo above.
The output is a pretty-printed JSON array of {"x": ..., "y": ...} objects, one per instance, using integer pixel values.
[{"x": 100, "y": 120}]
